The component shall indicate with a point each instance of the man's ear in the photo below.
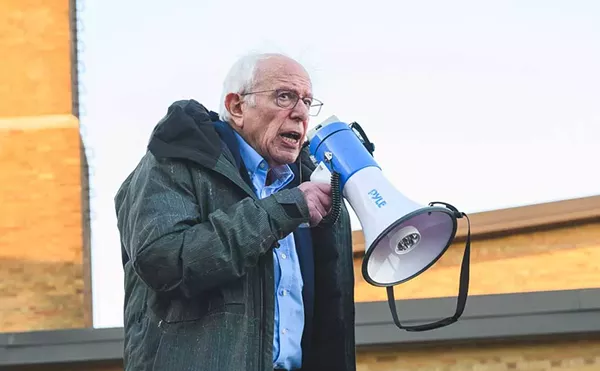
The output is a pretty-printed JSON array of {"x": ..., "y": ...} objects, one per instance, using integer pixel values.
[{"x": 233, "y": 104}]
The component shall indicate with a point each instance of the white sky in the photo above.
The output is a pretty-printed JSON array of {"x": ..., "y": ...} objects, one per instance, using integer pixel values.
[{"x": 485, "y": 105}]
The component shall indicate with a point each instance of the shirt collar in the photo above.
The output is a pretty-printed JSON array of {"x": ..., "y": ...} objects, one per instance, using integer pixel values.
[{"x": 253, "y": 161}]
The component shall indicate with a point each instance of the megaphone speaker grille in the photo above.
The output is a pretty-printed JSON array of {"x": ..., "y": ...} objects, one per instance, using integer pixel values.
[{"x": 409, "y": 246}]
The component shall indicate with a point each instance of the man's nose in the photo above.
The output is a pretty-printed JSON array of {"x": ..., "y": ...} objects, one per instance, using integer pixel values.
[{"x": 300, "y": 111}]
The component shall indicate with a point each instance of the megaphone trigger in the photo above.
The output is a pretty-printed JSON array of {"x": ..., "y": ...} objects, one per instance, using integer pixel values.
[
  {"x": 402, "y": 237},
  {"x": 321, "y": 174}
]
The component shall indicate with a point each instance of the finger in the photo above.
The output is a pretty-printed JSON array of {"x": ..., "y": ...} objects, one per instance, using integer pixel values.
[
  {"x": 319, "y": 204},
  {"x": 321, "y": 210},
  {"x": 325, "y": 210},
  {"x": 324, "y": 199},
  {"x": 314, "y": 213},
  {"x": 327, "y": 203},
  {"x": 324, "y": 187},
  {"x": 315, "y": 217},
  {"x": 318, "y": 221}
]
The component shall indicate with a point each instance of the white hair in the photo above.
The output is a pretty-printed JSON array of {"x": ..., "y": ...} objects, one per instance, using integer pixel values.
[{"x": 241, "y": 78}]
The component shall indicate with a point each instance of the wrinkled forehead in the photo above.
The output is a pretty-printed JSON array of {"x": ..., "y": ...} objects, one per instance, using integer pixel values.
[{"x": 283, "y": 73}]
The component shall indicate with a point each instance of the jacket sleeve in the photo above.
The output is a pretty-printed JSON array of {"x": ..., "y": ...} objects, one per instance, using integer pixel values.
[{"x": 172, "y": 248}]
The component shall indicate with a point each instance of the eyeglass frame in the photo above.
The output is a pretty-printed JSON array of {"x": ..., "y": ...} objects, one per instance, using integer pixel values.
[{"x": 319, "y": 103}]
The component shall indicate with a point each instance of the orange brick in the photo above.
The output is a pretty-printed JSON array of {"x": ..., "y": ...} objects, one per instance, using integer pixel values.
[
  {"x": 522, "y": 262},
  {"x": 38, "y": 295},
  {"x": 42, "y": 283},
  {"x": 543, "y": 355},
  {"x": 40, "y": 189},
  {"x": 35, "y": 68}
]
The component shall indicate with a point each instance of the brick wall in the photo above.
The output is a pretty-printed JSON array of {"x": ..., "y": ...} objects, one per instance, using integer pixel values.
[
  {"x": 41, "y": 280},
  {"x": 41, "y": 283},
  {"x": 35, "y": 68},
  {"x": 557, "y": 259},
  {"x": 556, "y": 355}
]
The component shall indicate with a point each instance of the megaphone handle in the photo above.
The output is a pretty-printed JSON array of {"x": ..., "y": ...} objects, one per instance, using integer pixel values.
[
  {"x": 463, "y": 291},
  {"x": 336, "y": 200},
  {"x": 322, "y": 174},
  {"x": 363, "y": 137}
]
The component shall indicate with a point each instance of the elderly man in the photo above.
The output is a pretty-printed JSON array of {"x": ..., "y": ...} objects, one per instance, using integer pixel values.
[{"x": 227, "y": 263}]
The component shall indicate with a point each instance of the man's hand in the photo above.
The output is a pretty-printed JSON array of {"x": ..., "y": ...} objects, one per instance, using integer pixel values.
[{"x": 318, "y": 198}]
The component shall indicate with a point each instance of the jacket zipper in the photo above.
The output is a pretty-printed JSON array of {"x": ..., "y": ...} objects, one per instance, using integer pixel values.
[{"x": 261, "y": 274}]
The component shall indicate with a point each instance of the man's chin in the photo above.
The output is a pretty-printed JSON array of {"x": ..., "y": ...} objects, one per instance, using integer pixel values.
[{"x": 289, "y": 157}]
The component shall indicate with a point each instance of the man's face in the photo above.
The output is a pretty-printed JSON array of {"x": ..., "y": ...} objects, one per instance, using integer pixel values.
[{"x": 275, "y": 133}]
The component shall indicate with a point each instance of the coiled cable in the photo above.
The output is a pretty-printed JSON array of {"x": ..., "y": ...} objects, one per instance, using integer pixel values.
[
  {"x": 336, "y": 192},
  {"x": 336, "y": 198}
]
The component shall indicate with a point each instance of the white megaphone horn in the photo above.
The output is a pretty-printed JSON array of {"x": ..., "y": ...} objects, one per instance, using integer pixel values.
[{"x": 402, "y": 238}]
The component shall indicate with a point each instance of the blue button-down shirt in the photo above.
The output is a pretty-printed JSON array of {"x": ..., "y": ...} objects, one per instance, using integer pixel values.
[{"x": 289, "y": 309}]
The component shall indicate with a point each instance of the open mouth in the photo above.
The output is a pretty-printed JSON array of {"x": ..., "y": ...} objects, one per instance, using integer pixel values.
[{"x": 291, "y": 137}]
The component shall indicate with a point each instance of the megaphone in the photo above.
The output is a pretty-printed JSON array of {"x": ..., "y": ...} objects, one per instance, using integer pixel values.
[{"x": 402, "y": 237}]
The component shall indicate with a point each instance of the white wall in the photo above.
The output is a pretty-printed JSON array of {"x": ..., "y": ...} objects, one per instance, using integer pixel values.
[{"x": 485, "y": 105}]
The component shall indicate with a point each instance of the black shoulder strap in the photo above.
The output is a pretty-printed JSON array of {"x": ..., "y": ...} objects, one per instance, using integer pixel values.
[{"x": 463, "y": 291}]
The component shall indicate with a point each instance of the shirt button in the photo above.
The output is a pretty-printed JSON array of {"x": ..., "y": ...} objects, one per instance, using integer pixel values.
[
  {"x": 284, "y": 292},
  {"x": 284, "y": 331},
  {"x": 283, "y": 255}
]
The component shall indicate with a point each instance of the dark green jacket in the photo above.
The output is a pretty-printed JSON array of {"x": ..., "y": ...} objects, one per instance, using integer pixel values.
[{"x": 196, "y": 249}]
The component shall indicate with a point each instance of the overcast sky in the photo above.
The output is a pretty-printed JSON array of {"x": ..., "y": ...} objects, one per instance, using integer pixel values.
[{"x": 485, "y": 105}]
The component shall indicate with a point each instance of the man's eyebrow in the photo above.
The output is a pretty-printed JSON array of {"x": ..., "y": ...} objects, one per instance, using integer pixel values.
[{"x": 309, "y": 95}]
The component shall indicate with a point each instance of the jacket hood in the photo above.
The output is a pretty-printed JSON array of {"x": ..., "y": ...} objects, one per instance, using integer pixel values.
[{"x": 191, "y": 132}]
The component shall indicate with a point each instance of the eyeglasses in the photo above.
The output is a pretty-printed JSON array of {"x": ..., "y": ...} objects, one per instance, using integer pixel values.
[{"x": 288, "y": 99}]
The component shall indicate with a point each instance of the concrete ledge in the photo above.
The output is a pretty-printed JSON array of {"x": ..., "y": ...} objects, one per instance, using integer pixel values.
[
  {"x": 486, "y": 318},
  {"x": 39, "y": 122},
  {"x": 61, "y": 346}
]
